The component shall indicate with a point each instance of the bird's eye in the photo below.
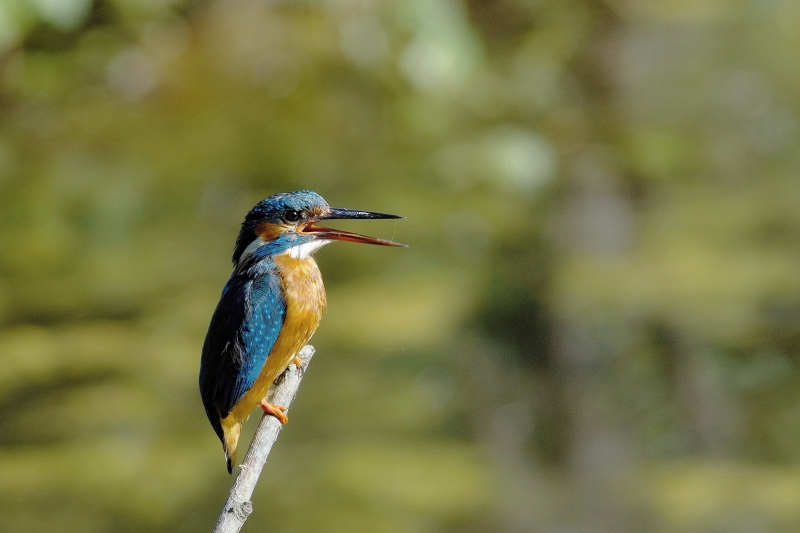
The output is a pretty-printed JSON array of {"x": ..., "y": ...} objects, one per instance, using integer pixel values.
[{"x": 290, "y": 215}]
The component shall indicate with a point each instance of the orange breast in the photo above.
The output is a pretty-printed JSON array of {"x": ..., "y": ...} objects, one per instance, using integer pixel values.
[{"x": 305, "y": 304}]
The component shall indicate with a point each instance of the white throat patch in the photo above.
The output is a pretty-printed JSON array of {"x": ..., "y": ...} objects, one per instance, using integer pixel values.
[
  {"x": 302, "y": 251},
  {"x": 251, "y": 248}
]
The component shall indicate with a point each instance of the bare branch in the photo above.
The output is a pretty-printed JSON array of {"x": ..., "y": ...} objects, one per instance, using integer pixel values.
[{"x": 238, "y": 507}]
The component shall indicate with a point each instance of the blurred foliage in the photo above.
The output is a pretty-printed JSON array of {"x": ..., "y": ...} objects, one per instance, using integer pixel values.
[{"x": 597, "y": 325}]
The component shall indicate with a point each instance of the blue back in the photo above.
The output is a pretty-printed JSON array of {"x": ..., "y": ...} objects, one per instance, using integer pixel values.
[{"x": 243, "y": 330}]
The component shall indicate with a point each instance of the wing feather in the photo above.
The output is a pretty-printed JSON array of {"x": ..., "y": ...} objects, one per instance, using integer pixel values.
[{"x": 241, "y": 335}]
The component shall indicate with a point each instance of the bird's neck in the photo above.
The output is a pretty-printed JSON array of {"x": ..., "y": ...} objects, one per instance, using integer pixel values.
[{"x": 260, "y": 249}]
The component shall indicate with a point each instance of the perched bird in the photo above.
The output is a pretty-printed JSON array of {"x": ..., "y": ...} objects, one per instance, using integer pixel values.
[{"x": 270, "y": 307}]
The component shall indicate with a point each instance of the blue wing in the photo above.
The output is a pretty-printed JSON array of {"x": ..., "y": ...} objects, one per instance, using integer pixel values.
[{"x": 243, "y": 329}]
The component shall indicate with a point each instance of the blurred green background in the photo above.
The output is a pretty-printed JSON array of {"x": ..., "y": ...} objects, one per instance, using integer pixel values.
[{"x": 596, "y": 327}]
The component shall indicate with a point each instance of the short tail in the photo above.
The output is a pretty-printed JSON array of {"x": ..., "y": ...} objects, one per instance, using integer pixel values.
[
  {"x": 231, "y": 461},
  {"x": 230, "y": 443}
]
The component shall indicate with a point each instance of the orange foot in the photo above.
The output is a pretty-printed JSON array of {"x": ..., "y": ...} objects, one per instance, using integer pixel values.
[
  {"x": 298, "y": 362},
  {"x": 275, "y": 410}
]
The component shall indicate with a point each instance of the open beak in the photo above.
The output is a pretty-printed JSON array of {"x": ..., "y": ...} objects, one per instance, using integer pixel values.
[{"x": 339, "y": 235}]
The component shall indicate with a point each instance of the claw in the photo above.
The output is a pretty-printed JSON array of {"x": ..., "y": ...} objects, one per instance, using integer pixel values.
[
  {"x": 298, "y": 362},
  {"x": 275, "y": 410}
]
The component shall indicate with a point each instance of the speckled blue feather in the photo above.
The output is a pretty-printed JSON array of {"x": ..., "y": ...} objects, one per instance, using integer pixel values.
[{"x": 243, "y": 330}]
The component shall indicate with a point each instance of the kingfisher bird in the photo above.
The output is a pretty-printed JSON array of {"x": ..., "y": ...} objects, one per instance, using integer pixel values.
[{"x": 270, "y": 307}]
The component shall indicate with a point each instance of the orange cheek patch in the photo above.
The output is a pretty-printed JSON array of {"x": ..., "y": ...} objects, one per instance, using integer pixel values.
[{"x": 269, "y": 232}]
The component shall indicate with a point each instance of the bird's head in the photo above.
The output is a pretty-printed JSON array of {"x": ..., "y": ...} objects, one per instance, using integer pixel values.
[{"x": 286, "y": 223}]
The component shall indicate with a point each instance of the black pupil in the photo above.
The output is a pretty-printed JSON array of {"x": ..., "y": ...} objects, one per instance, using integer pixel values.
[{"x": 291, "y": 215}]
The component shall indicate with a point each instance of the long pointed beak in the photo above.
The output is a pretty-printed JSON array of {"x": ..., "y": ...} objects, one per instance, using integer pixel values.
[{"x": 340, "y": 235}]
